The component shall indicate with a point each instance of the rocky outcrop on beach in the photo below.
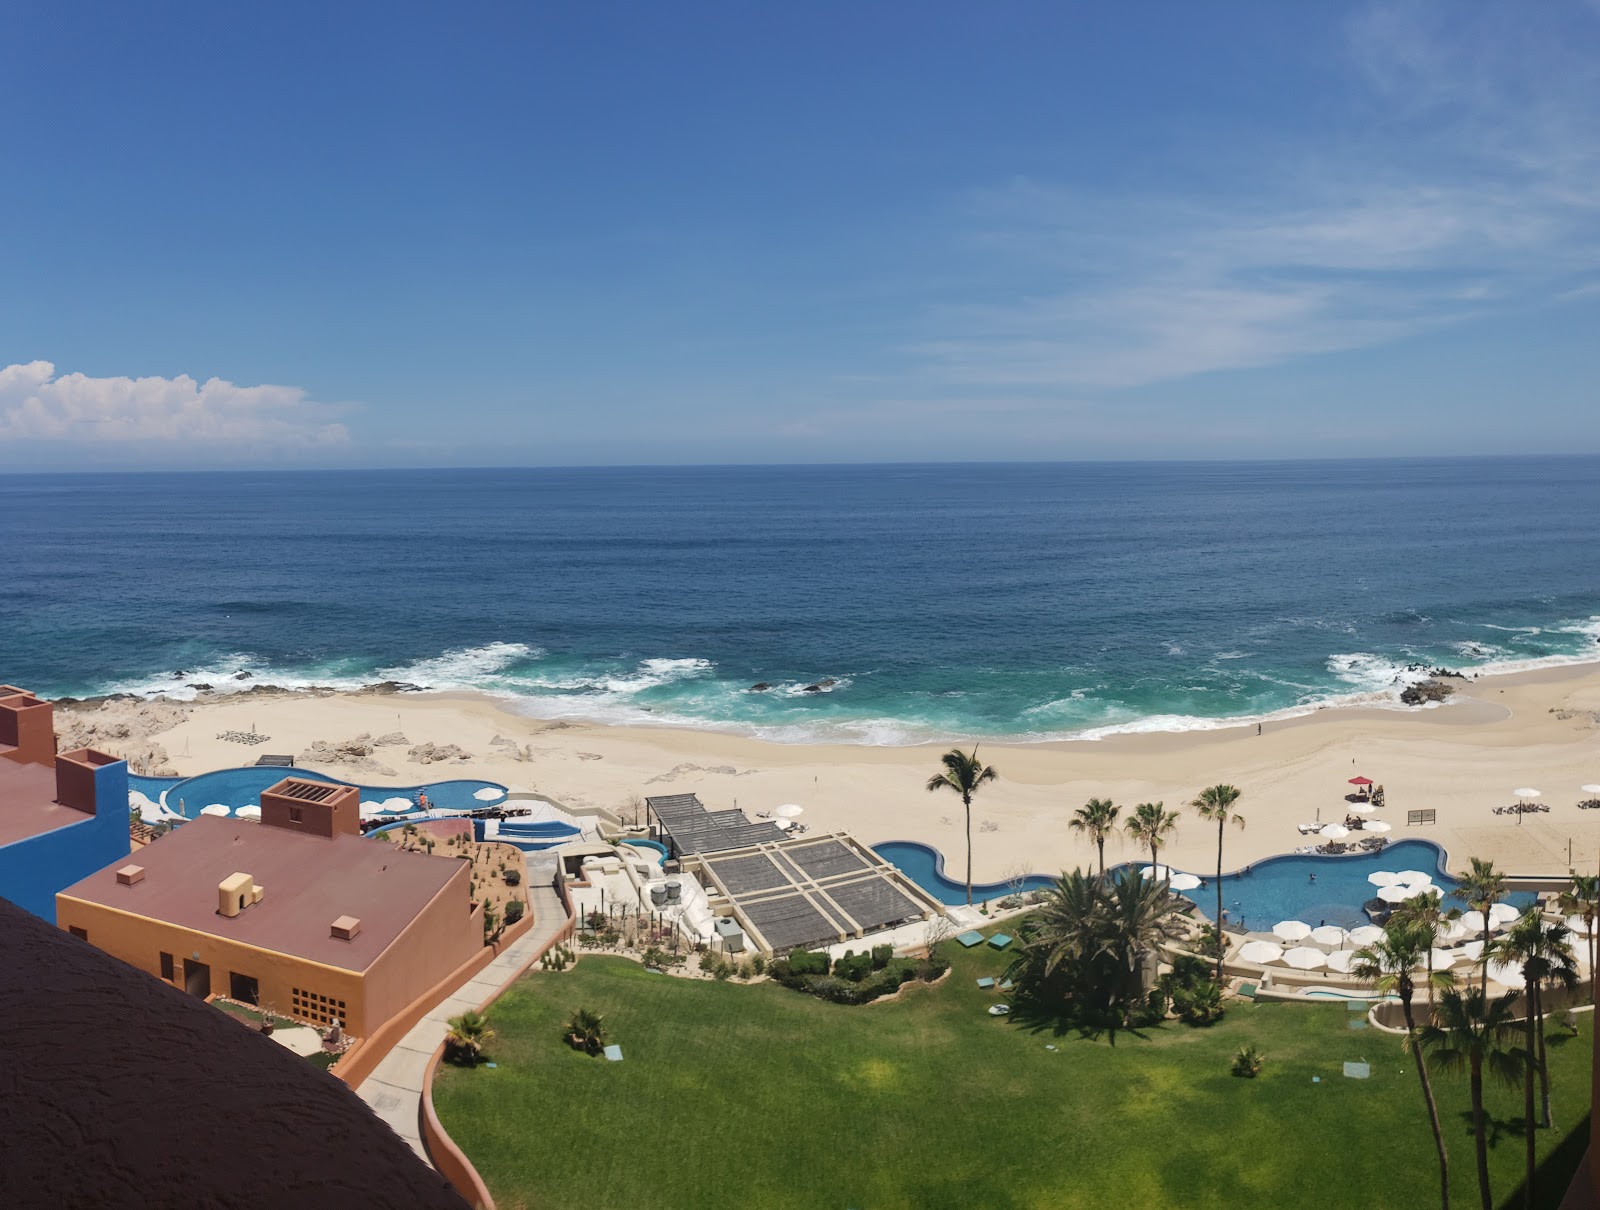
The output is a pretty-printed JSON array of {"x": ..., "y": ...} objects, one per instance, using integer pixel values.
[
  {"x": 1427, "y": 691},
  {"x": 384, "y": 688},
  {"x": 392, "y": 739},
  {"x": 433, "y": 754},
  {"x": 679, "y": 770},
  {"x": 353, "y": 753},
  {"x": 117, "y": 725}
]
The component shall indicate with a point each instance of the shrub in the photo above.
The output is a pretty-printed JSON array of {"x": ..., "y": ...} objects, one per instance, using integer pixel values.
[
  {"x": 468, "y": 1035},
  {"x": 1199, "y": 1003},
  {"x": 758, "y": 965},
  {"x": 853, "y": 966},
  {"x": 586, "y": 1031},
  {"x": 881, "y": 955},
  {"x": 513, "y": 877},
  {"x": 804, "y": 962},
  {"x": 1247, "y": 1063},
  {"x": 515, "y": 911}
]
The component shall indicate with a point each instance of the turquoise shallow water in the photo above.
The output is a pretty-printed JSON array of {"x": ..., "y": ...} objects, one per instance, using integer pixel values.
[{"x": 920, "y": 602}]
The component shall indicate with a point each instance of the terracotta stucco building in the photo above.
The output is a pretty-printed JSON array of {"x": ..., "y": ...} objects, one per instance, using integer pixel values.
[{"x": 297, "y": 913}]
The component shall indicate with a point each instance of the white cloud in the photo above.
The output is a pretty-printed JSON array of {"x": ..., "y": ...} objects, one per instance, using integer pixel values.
[
  {"x": 38, "y": 405},
  {"x": 1472, "y": 186}
]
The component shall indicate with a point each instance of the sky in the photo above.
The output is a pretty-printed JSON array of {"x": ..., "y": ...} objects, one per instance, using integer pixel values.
[{"x": 597, "y": 234}]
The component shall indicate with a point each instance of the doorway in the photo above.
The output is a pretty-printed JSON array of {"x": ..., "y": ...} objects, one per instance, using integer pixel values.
[
  {"x": 197, "y": 978},
  {"x": 243, "y": 987}
]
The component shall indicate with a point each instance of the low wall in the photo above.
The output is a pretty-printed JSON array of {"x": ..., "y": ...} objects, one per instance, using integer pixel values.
[
  {"x": 359, "y": 1062},
  {"x": 448, "y": 1158},
  {"x": 1390, "y": 1016}
]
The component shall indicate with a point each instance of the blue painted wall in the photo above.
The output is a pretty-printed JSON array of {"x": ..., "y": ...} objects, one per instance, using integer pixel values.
[{"x": 34, "y": 869}]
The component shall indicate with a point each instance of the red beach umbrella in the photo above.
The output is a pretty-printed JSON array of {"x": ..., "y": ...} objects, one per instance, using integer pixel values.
[{"x": 1361, "y": 781}]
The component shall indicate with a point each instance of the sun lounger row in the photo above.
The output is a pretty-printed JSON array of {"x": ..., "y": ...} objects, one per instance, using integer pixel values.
[{"x": 1521, "y": 808}]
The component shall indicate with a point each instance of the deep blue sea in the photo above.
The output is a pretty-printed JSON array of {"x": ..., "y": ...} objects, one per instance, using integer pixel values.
[{"x": 1024, "y": 600}]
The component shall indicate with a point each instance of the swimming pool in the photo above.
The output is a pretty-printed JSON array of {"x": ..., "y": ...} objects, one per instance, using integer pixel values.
[
  {"x": 1318, "y": 890},
  {"x": 241, "y": 787}
]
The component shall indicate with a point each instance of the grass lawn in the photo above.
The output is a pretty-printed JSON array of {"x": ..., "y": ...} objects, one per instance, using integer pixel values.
[{"x": 744, "y": 1096}]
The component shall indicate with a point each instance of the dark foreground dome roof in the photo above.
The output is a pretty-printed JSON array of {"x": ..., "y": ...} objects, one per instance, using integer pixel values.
[{"x": 117, "y": 1090}]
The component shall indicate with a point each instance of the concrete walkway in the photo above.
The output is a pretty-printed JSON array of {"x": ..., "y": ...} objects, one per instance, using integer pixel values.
[{"x": 394, "y": 1089}]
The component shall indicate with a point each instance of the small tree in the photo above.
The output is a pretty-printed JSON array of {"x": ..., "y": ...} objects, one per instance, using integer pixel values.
[
  {"x": 586, "y": 1031},
  {"x": 939, "y": 931},
  {"x": 469, "y": 1034},
  {"x": 1247, "y": 1063},
  {"x": 515, "y": 911}
]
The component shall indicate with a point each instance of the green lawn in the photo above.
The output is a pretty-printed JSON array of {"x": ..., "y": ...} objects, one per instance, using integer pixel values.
[{"x": 745, "y": 1096}]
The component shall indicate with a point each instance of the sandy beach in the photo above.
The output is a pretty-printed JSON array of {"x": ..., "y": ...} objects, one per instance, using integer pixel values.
[{"x": 1462, "y": 759}]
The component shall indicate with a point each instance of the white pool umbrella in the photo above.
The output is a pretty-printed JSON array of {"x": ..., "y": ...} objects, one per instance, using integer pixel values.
[
  {"x": 1334, "y": 831},
  {"x": 1260, "y": 952},
  {"x": 1507, "y": 973},
  {"x": 1503, "y": 914},
  {"x": 1473, "y": 922},
  {"x": 1415, "y": 876},
  {"x": 1330, "y": 934},
  {"x": 1361, "y": 808},
  {"x": 1591, "y": 787},
  {"x": 1443, "y": 959},
  {"x": 1291, "y": 930},
  {"x": 1423, "y": 888},
  {"x": 789, "y": 810},
  {"x": 1471, "y": 951},
  {"x": 489, "y": 794},
  {"x": 1527, "y": 792},
  {"x": 1578, "y": 925},
  {"x": 216, "y": 808},
  {"x": 248, "y": 812},
  {"x": 1367, "y": 934},
  {"x": 397, "y": 804},
  {"x": 1183, "y": 882},
  {"x": 1158, "y": 872},
  {"x": 1451, "y": 931},
  {"x": 1304, "y": 958},
  {"x": 783, "y": 825},
  {"x": 1341, "y": 961},
  {"x": 1377, "y": 825},
  {"x": 1385, "y": 878},
  {"x": 1398, "y": 893}
]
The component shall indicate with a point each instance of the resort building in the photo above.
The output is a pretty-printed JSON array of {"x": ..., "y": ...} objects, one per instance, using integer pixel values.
[
  {"x": 297, "y": 914},
  {"x": 61, "y": 815}
]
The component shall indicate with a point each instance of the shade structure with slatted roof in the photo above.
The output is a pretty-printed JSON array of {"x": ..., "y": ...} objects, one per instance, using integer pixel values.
[{"x": 802, "y": 891}]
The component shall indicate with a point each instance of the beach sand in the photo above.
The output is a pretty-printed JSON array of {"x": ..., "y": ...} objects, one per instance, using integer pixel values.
[{"x": 1461, "y": 759}]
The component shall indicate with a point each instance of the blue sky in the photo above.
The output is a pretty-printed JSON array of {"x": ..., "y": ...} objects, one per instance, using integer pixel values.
[{"x": 352, "y": 235}]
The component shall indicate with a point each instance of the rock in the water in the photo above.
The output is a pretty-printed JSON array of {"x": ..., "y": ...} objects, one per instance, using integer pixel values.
[
  {"x": 384, "y": 688},
  {"x": 760, "y": 687},
  {"x": 1426, "y": 691},
  {"x": 241, "y": 676},
  {"x": 821, "y": 686},
  {"x": 200, "y": 685}
]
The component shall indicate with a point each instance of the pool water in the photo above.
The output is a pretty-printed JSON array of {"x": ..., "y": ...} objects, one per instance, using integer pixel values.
[
  {"x": 242, "y": 787},
  {"x": 1318, "y": 890}
]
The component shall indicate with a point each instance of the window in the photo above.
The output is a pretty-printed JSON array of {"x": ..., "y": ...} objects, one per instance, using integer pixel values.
[
  {"x": 80, "y": 934},
  {"x": 167, "y": 971},
  {"x": 243, "y": 987},
  {"x": 317, "y": 1008},
  {"x": 295, "y": 815}
]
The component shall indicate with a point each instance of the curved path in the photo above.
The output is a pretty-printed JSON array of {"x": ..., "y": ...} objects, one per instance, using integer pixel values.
[{"x": 394, "y": 1089}]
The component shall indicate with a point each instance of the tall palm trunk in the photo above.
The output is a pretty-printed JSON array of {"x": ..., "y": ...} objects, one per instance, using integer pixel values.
[
  {"x": 1153, "y": 860},
  {"x": 966, "y": 801},
  {"x": 1430, "y": 982},
  {"x": 1483, "y": 958},
  {"x": 1479, "y": 1135},
  {"x": 1433, "y": 1106},
  {"x": 1544, "y": 1070},
  {"x": 1222, "y": 947},
  {"x": 1527, "y": 1107},
  {"x": 1100, "y": 843}
]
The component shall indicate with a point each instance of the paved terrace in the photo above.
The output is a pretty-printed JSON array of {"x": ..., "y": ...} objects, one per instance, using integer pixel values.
[{"x": 394, "y": 1089}]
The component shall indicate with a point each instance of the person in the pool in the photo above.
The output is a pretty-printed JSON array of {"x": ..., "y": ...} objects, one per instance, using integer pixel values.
[{"x": 1313, "y": 878}]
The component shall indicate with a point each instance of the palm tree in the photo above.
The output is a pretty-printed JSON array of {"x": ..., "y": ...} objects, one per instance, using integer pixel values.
[
  {"x": 1427, "y": 912},
  {"x": 1215, "y": 805},
  {"x": 1151, "y": 823},
  {"x": 1068, "y": 916},
  {"x": 469, "y": 1034},
  {"x": 1582, "y": 898},
  {"x": 1482, "y": 887},
  {"x": 1138, "y": 917},
  {"x": 586, "y": 1031},
  {"x": 1387, "y": 965},
  {"x": 1471, "y": 1032},
  {"x": 1097, "y": 818},
  {"x": 963, "y": 774},
  {"x": 1544, "y": 948}
]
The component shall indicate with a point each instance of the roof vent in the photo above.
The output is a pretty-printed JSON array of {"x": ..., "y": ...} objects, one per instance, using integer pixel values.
[
  {"x": 237, "y": 892},
  {"x": 346, "y": 927},
  {"x": 130, "y": 874}
]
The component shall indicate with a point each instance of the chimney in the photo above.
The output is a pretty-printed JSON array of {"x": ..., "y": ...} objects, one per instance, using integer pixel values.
[
  {"x": 130, "y": 874},
  {"x": 346, "y": 927},
  {"x": 235, "y": 893}
]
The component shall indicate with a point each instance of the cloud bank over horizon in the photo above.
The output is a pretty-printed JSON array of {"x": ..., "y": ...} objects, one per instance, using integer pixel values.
[{"x": 38, "y": 405}]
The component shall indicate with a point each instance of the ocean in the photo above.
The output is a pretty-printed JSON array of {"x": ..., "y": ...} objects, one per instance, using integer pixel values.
[{"x": 880, "y": 604}]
